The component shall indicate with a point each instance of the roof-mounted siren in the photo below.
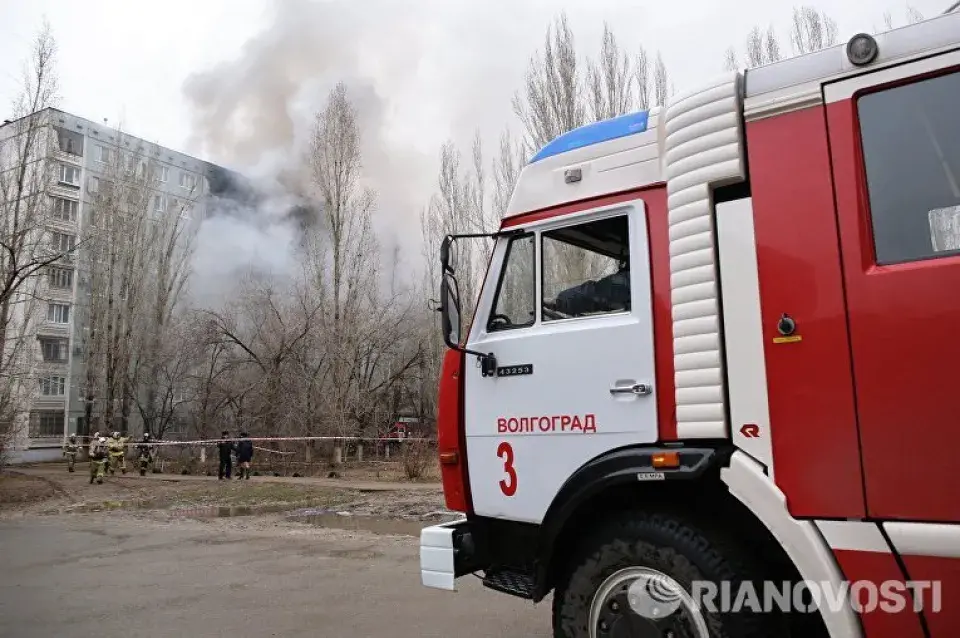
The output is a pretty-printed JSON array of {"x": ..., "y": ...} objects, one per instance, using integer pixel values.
[{"x": 862, "y": 49}]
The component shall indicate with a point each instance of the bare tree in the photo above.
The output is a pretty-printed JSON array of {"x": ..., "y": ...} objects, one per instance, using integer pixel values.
[
  {"x": 913, "y": 15},
  {"x": 158, "y": 377},
  {"x": 346, "y": 207},
  {"x": 119, "y": 228},
  {"x": 730, "y": 62},
  {"x": 661, "y": 82},
  {"x": 811, "y": 30},
  {"x": 756, "y": 51},
  {"x": 642, "y": 79},
  {"x": 552, "y": 101},
  {"x": 610, "y": 79},
  {"x": 888, "y": 20},
  {"x": 264, "y": 329},
  {"x": 27, "y": 245},
  {"x": 506, "y": 170},
  {"x": 772, "y": 45}
]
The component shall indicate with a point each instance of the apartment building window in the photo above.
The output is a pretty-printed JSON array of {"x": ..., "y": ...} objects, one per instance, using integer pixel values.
[
  {"x": 58, "y": 313},
  {"x": 62, "y": 242},
  {"x": 54, "y": 350},
  {"x": 61, "y": 278},
  {"x": 93, "y": 185},
  {"x": 46, "y": 424},
  {"x": 185, "y": 212},
  {"x": 70, "y": 141},
  {"x": 159, "y": 203},
  {"x": 103, "y": 154},
  {"x": 188, "y": 180},
  {"x": 163, "y": 173},
  {"x": 65, "y": 209},
  {"x": 69, "y": 175},
  {"x": 52, "y": 386}
]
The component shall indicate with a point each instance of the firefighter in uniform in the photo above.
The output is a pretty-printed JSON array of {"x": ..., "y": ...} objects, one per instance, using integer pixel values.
[
  {"x": 118, "y": 449},
  {"x": 70, "y": 449},
  {"x": 98, "y": 458},
  {"x": 144, "y": 453},
  {"x": 93, "y": 444}
]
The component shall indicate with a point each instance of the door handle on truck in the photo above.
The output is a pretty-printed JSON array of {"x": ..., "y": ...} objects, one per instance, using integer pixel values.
[{"x": 636, "y": 388}]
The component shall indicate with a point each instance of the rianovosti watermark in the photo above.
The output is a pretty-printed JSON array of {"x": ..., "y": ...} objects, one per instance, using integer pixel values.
[{"x": 657, "y": 596}]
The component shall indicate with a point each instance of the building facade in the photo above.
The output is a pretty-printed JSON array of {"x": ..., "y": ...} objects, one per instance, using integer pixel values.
[{"x": 78, "y": 156}]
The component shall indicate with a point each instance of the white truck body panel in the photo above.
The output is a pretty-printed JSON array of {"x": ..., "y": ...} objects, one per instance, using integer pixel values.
[
  {"x": 575, "y": 363},
  {"x": 702, "y": 149}
]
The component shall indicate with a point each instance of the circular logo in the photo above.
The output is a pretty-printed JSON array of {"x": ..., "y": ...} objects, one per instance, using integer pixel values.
[{"x": 654, "y": 596}]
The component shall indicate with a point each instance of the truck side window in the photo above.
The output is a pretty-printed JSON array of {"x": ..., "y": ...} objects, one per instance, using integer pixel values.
[
  {"x": 586, "y": 269},
  {"x": 911, "y": 151},
  {"x": 515, "y": 306}
]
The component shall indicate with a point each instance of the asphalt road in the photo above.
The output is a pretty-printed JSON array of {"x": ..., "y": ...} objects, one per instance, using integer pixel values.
[{"x": 110, "y": 575}]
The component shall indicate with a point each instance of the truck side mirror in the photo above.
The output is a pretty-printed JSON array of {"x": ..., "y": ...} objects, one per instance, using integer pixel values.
[
  {"x": 450, "y": 311},
  {"x": 447, "y": 248}
]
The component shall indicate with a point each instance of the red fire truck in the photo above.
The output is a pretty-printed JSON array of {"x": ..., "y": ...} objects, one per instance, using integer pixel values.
[{"x": 714, "y": 344}]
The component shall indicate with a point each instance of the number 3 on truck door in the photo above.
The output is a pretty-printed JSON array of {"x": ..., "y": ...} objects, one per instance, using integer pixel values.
[{"x": 505, "y": 452}]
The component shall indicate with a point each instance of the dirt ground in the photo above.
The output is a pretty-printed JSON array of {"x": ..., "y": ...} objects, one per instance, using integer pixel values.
[
  {"x": 18, "y": 489},
  {"x": 46, "y": 489}
]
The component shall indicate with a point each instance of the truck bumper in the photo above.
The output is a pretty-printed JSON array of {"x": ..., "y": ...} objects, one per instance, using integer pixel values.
[{"x": 446, "y": 553}]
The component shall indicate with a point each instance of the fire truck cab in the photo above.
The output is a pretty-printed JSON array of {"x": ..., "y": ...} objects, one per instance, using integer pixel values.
[{"x": 715, "y": 344}]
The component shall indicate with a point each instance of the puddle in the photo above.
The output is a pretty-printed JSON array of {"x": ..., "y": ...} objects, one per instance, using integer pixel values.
[
  {"x": 314, "y": 516},
  {"x": 228, "y": 511},
  {"x": 408, "y": 523},
  {"x": 104, "y": 506},
  {"x": 347, "y": 521}
]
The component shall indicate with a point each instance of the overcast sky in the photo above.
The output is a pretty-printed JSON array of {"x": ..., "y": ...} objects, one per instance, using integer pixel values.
[{"x": 234, "y": 82}]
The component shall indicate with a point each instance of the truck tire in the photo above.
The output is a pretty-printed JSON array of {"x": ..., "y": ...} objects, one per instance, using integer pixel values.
[{"x": 666, "y": 554}]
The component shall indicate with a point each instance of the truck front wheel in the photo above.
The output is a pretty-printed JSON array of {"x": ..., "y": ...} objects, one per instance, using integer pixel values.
[{"x": 644, "y": 574}]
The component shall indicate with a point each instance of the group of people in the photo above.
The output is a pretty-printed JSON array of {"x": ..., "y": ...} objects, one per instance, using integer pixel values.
[
  {"x": 242, "y": 449},
  {"x": 108, "y": 454}
]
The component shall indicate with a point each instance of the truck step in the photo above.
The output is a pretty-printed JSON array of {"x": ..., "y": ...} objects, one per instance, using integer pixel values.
[{"x": 511, "y": 582}]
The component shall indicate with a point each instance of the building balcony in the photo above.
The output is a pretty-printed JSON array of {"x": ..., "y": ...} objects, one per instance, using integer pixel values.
[
  {"x": 46, "y": 368},
  {"x": 62, "y": 295},
  {"x": 52, "y": 329},
  {"x": 64, "y": 156},
  {"x": 49, "y": 402},
  {"x": 61, "y": 225}
]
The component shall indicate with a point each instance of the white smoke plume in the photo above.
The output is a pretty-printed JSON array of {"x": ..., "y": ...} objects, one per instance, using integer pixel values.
[{"x": 254, "y": 114}]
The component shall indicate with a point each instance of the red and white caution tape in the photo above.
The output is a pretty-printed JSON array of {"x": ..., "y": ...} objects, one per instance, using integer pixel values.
[{"x": 274, "y": 439}]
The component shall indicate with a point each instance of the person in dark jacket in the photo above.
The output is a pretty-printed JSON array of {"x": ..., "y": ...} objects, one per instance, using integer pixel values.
[
  {"x": 609, "y": 294},
  {"x": 226, "y": 448},
  {"x": 244, "y": 456}
]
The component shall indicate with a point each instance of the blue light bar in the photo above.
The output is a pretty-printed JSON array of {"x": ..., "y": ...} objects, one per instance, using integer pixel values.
[{"x": 629, "y": 124}]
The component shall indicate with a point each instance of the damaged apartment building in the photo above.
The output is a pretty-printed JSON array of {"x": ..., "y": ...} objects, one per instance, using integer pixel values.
[{"x": 46, "y": 324}]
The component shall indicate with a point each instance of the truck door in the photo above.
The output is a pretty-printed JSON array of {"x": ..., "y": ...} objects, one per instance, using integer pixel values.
[
  {"x": 895, "y": 147},
  {"x": 567, "y": 312}
]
